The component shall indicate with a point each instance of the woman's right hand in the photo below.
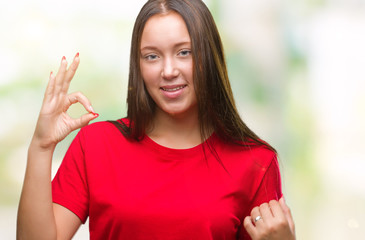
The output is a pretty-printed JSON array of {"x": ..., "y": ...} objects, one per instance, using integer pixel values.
[{"x": 54, "y": 123}]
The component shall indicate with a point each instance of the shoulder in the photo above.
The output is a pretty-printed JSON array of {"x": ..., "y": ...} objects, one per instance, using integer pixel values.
[
  {"x": 248, "y": 153},
  {"x": 97, "y": 127},
  {"x": 262, "y": 155},
  {"x": 100, "y": 130},
  {"x": 102, "y": 136},
  {"x": 104, "y": 126}
]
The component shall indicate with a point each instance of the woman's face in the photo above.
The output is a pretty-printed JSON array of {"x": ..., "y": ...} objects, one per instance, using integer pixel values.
[{"x": 167, "y": 65}]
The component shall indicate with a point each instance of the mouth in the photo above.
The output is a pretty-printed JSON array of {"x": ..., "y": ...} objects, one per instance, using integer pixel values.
[{"x": 172, "y": 88}]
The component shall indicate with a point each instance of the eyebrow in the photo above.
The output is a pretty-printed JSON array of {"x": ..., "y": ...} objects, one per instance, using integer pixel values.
[{"x": 148, "y": 47}]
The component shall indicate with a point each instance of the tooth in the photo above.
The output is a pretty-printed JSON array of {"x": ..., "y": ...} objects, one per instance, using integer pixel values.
[{"x": 172, "y": 89}]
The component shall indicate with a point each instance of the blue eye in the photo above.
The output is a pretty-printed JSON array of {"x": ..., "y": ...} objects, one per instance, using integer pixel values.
[
  {"x": 185, "y": 52},
  {"x": 151, "y": 57}
]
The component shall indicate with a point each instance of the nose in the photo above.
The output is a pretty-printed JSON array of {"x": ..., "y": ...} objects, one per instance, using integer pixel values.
[{"x": 170, "y": 70}]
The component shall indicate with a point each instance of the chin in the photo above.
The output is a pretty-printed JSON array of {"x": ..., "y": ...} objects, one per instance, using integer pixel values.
[
  {"x": 176, "y": 113},
  {"x": 179, "y": 111}
]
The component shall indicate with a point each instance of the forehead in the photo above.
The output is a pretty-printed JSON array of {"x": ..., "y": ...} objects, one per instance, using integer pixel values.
[{"x": 165, "y": 29}]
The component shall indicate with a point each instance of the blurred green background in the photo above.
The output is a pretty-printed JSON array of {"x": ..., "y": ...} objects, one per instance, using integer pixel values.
[{"x": 297, "y": 70}]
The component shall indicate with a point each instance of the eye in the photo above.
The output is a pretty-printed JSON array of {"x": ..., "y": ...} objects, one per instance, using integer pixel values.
[
  {"x": 184, "y": 53},
  {"x": 150, "y": 57}
]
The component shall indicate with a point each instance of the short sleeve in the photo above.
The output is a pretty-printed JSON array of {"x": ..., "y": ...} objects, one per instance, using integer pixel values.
[
  {"x": 269, "y": 189},
  {"x": 69, "y": 186}
]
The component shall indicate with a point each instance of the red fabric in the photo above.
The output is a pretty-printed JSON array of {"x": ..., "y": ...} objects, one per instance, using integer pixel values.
[{"x": 142, "y": 190}]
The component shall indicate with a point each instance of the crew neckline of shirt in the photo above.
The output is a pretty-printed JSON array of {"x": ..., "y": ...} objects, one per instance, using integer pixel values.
[{"x": 175, "y": 151}]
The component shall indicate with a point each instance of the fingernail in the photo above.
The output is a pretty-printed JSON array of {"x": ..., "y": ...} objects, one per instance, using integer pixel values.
[
  {"x": 77, "y": 55},
  {"x": 96, "y": 115},
  {"x": 91, "y": 109},
  {"x": 51, "y": 74},
  {"x": 63, "y": 58}
]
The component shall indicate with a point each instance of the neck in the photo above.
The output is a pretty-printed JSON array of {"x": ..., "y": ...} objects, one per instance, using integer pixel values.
[{"x": 179, "y": 132}]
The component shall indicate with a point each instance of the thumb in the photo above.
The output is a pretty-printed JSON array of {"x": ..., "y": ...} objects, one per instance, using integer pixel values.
[
  {"x": 83, "y": 120},
  {"x": 287, "y": 213}
]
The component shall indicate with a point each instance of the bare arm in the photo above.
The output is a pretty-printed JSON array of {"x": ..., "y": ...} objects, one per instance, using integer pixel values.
[{"x": 38, "y": 216}]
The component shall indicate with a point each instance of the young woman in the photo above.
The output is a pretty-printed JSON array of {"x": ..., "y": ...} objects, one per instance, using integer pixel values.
[{"x": 181, "y": 165}]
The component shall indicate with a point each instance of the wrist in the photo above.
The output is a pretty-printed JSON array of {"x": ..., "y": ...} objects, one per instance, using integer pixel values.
[{"x": 41, "y": 146}]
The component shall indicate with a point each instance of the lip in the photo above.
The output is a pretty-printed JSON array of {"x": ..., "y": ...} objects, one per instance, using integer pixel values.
[{"x": 173, "y": 91}]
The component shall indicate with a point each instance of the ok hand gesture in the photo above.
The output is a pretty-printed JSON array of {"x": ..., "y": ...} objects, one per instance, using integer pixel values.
[{"x": 54, "y": 124}]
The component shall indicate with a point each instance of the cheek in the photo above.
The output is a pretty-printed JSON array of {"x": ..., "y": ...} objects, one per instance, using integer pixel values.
[
  {"x": 150, "y": 73},
  {"x": 188, "y": 71}
]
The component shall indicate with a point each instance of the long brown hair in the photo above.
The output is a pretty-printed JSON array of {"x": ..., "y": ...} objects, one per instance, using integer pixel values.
[{"x": 217, "y": 109}]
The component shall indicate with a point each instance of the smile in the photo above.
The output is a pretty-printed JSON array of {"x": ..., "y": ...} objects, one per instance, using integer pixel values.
[{"x": 173, "y": 89}]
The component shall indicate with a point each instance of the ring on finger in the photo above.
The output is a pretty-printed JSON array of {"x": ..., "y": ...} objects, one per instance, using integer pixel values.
[{"x": 258, "y": 218}]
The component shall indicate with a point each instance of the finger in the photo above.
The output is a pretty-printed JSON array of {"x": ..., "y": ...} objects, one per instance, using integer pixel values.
[
  {"x": 50, "y": 86},
  {"x": 265, "y": 212},
  {"x": 71, "y": 72},
  {"x": 82, "y": 121},
  {"x": 60, "y": 76},
  {"x": 78, "y": 97},
  {"x": 276, "y": 209},
  {"x": 287, "y": 213},
  {"x": 250, "y": 227},
  {"x": 256, "y": 216}
]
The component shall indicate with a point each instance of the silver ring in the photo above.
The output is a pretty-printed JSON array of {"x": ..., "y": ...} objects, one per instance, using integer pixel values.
[{"x": 258, "y": 218}]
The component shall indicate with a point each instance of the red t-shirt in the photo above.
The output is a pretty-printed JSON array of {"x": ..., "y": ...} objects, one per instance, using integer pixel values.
[{"x": 142, "y": 190}]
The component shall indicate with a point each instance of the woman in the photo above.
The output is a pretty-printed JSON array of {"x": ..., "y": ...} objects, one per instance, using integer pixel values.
[{"x": 182, "y": 165}]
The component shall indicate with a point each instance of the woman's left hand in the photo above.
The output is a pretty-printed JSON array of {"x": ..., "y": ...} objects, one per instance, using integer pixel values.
[{"x": 270, "y": 221}]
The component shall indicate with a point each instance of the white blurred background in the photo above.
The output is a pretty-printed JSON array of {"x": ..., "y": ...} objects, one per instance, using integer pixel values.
[{"x": 297, "y": 70}]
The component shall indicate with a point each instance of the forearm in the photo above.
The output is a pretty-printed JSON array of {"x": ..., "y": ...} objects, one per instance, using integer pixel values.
[{"x": 35, "y": 214}]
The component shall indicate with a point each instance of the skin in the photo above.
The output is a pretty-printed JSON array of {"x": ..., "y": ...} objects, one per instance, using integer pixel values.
[
  {"x": 165, "y": 62},
  {"x": 276, "y": 222},
  {"x": 38, "y": 216}
]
